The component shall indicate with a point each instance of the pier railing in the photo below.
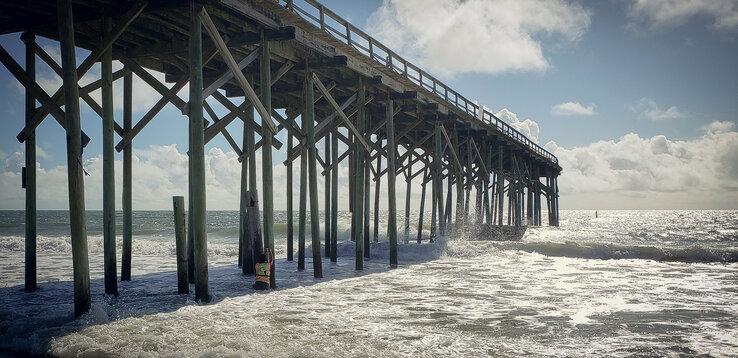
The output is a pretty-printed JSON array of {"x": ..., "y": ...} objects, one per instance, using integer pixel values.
[{"x": 341, "y": 29}]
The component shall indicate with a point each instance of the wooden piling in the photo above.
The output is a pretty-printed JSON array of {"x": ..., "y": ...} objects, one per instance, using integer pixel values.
[
  {"x": 309, "y": 118},
  {"x": 252, "y": 232},
  {"x": 367, "y": 202},
  {"x": 334, "y": 198},
  {"x": 408, "y": 181},
  {"x": 75, "y": 180},
  {"x": 183, "y": 285},
  {"x": 392, "y": 200},
  {"x": 108, "y": 121},
  {"x": 378, "y": 179},
  {"x": 422, "y": 205},
  {"x": 327, "y": 196},
  {"x": 358, "y": 213},
  {"x": 30, "y": 181},
  {"x": 500, "y": 184},
  {"x": 127, "y": 196},
  {"x": 197, "y": 157},
  {"x": 242, "y": 197},
  {"x": 303, "y": 206},
  {"x": 249, "y": 253},
  {"x": 290, "y": 220},
  {"x": 265, "y": 75}
]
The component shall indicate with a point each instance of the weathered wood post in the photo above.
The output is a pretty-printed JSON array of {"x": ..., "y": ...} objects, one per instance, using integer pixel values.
[
  {"x": 437, "y": 188},
  {"x": 309, "y": 118},
  {"x": 242, "y": 197},
  {"x": 367, "y": 202},
  {"x": 127, "y": 196},
  {"x": 197, "y": 157},
  {"x": 265, "y": 76},
  {"x": 448, "y": 214},
  {"x": 358, "y": 213},
  {"x": 500, "y": 185},
  {"x": 422, "y": 205},
  {"x": 252, "y": 232},
  {"x": 108, "y": 121},
  {"x": 469, "y": 181},
  {"x": 290, "y": 219},
  {"x": 248, "y": 196},
  {"x": 392, "y": 202},
  {"x": 190, "y": 231},
  {"x": 183, "y": 285},
  {"x": 303, "y": 204},
  {"x": 327, "y": 195},
  {"x": 334, "y": 198},
  {"x": 377, "y": 179},
  {"x": 80, "y": 262},
  {"x": 408, "y": 181},
  {"x": 30, "y": 180}
]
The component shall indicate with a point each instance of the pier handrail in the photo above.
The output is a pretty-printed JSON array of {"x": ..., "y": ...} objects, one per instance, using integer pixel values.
[{"x": 328, "y": 21}]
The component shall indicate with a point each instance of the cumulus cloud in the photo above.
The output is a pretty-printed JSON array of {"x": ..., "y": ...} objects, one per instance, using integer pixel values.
[
  {"x": 527, "y": 127},
  {"x": 656, "y": 172},
  {"x": 448, "y": 37},
  {"x": 572, "y": 109},
  {"x": 660, "y": 13},
  {"x": 648, "y": 109}
]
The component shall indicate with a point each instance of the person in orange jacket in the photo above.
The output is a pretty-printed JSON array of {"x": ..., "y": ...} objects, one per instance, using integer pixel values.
[{"x": 263, "y": 270}]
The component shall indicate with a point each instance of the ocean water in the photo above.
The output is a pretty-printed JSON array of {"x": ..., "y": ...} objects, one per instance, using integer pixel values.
[{"x": 628, "y": 283}]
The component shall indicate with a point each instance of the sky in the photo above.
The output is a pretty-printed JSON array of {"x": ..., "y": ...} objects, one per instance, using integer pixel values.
[{"x": 638, "y": 99}]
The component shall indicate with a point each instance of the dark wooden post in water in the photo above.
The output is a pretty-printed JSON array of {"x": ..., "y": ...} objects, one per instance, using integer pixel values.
[
  {"x": 253, "y": 245},
  {"x": 367, "y": 202},
  {"x": 500, "y": 185},
  {"x": 127, "y": 200},
  {"x": 197, "y": 157},
  {"x": 358, "y": 199},
  {"x": 392, "y": 202},
  {"x": 183, "y": 285},
  {"x": 309, "y": 118},
  {"x": 246, "y": 168},
  {"x": 378, "y": 178},
  {"x": 265, "y": 76},
  {"x": 30, "y": 179},
  {"x": 290, "y": 219},
  {"x": 242, "y": 196},
  {"x": 111, "y": 278},
  {"x": 408, "y": 181},
  {"x": 422, "y": 205},
  {"x": 334, "y": 198},
  {"x": 80, "y": 262},
  {"x": 327, "y": 195},
  {"x": 303, "y": 205}
]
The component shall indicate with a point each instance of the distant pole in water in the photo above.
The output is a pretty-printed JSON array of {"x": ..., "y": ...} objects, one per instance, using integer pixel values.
[
  {"x": 183, "y": 285},
  {"x": 595, "y": 214}
]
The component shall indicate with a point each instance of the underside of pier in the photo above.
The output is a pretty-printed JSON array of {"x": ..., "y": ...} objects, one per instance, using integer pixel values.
[{"x": 304, "y": 70}]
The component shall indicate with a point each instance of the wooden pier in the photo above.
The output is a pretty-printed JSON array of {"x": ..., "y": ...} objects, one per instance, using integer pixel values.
[{"x": 332, "y": 81}]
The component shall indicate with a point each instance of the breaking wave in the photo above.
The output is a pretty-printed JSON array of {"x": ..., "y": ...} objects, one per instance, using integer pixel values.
[{"x": 605, "y": 251}]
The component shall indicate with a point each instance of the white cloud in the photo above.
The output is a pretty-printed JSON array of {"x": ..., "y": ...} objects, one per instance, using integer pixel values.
[
  {"x": 527, "y": 127},
  {"x": 660, "y": 13},
  {"x": 572, "y": 109},
  {"x": 648, "y": 109},
  {"x": 657, "y": 173},
  {"x": 448, "y": 37}
]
